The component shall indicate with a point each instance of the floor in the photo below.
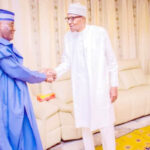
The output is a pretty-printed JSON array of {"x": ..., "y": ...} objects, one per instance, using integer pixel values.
[{"x": 119, "y": 131}]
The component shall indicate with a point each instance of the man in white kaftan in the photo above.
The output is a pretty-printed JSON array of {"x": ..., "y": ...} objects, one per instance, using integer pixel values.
[{"x": 94, "y": 75}]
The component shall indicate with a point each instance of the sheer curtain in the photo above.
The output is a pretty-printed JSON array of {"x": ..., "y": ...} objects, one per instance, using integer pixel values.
[
  {"x": 143, "y": 33},
  {"x": 127, "y": 34},
  {"x": 40, "y": 28}
]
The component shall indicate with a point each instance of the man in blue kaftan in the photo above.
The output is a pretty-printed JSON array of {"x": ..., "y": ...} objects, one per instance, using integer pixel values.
[{"x": 18, "y": 128}]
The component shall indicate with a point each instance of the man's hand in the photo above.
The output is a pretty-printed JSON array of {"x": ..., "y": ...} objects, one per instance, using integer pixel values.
[
  {"x": 113, "y": 93},
  {"x": 50, "y": 74}
]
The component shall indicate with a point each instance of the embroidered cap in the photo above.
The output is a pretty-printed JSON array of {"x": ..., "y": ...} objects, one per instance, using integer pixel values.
[{"x": 77, "y": 9}]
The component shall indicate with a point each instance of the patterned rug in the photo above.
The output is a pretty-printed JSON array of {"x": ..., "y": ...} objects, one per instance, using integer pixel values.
[{"x": 137, "y": 140}]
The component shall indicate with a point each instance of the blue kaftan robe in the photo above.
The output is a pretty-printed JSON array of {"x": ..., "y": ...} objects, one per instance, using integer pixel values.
[{"x": 18, "y": 128}]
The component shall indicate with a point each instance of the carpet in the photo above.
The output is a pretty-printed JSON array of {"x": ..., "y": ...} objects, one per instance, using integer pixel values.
[{"x": 137, "y": 140}]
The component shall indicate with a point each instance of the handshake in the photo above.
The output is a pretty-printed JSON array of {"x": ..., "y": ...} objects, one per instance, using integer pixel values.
[{"x": 50, "y": 75}]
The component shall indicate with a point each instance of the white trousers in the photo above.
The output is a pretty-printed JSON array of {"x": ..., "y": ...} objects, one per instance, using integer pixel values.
[{"x": 107, "y": 136}]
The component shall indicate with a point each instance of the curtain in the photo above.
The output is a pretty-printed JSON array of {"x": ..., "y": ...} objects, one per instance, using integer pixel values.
[
  {"x": 143, "y": 33},
  {"x": 40, "y": 28}
]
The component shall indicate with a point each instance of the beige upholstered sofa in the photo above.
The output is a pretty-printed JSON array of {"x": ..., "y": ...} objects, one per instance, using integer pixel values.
[{"x": 55, "y": 118}]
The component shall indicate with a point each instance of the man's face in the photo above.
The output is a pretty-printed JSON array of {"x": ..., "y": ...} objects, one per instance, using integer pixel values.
[
  {"x": 75, "y": 22},
  {"x": 7, "y": 30}
]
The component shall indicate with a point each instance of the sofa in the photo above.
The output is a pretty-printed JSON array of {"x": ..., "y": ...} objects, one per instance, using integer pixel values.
[{"x": 55, "y": 118}]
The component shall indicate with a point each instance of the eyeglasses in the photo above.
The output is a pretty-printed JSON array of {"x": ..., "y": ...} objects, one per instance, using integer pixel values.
[{"x": 72, "y": 18}]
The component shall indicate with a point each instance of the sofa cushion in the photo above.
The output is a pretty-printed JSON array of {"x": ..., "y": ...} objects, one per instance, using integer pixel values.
[
  {"x": 140, "y": 101},
  {"x": 69, "y": 132},
  {"x": 63, "y": 106},
  {"x": 122, "y": 105},
  {"x": 128, "y": 64},
  {"x": 67, "y": 108},
  {"x": 66, "y": 118},
  {"x": 53, "y": 137},
  {"x": 121, "y": 86},
  {"x": 127, "y": 79},
  {"x": 45, "y": 109},
  {"x": 52, "y": 122},
  {"x": 63, "y": 90},
  {"x": 131, "y": 78},
  {"x": 132, "y": 103},
  {"x": 139, "y": 76}
]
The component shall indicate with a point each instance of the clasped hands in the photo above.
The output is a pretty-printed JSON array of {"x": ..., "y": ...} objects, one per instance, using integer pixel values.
[{"x": 50, "y": 74}]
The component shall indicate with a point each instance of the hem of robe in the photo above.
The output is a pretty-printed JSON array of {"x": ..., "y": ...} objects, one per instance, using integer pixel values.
[
  {"x": 24, "y": 141},
  {"x": 97, "y": 123}
]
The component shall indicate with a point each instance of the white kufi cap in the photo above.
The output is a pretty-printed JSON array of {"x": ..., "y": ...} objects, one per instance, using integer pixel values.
[{"x": 77, "y": 9}]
